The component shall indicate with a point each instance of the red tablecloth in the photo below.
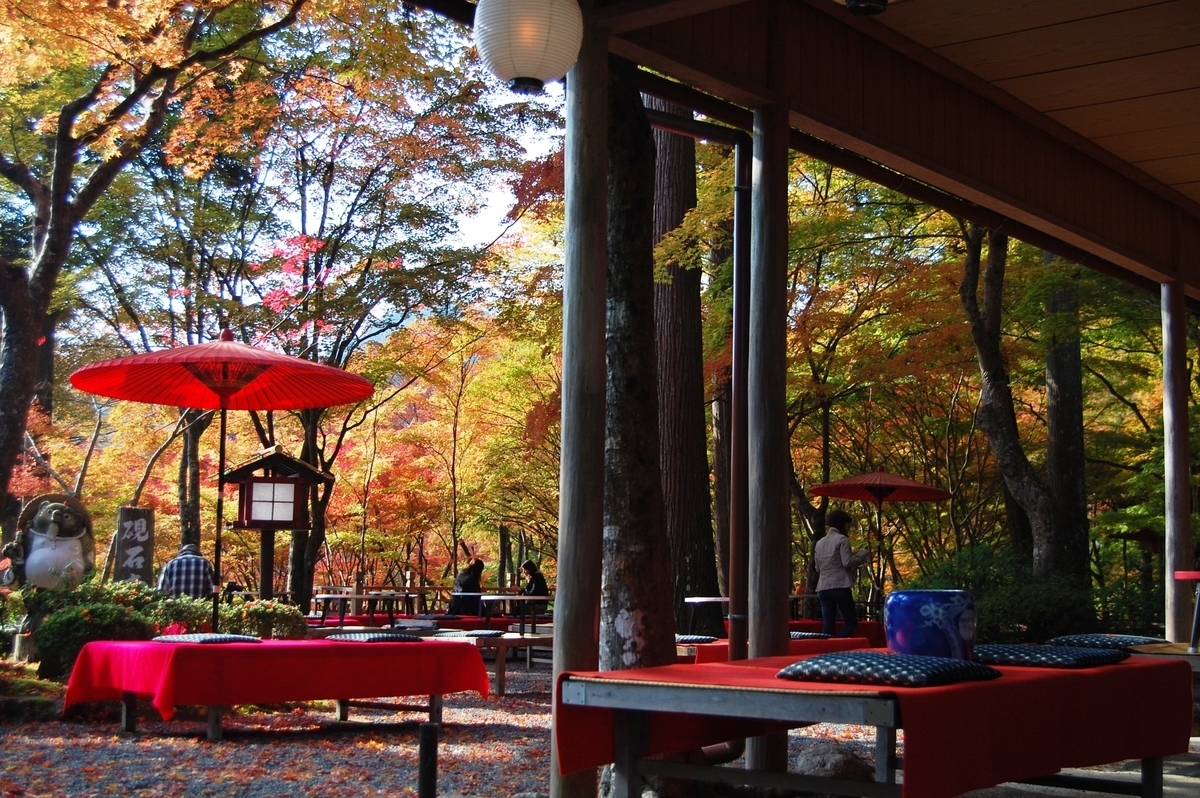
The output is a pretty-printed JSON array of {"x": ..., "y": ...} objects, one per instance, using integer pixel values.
[
  {"x": 719, "y": 651},
  {"x": 1030, "y": 722},
  {"x": 872, "y": 630},
  {"x": 273, "y": 671}
]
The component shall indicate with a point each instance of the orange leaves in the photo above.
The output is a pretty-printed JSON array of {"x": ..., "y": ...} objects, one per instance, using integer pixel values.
[{"x": 538, "y": 186}]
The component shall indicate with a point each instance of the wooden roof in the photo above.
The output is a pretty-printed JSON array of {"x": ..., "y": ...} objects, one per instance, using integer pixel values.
[
  {"x": 1123, "y": 74},
  {"x": 1075, "y": 119}
]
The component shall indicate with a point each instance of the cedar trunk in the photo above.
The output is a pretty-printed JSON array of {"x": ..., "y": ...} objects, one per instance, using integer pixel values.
[
  {"x": 1065, "y": 455},
  {"x": 681, "y": 422},
  {"x": 637, "y": 627}
]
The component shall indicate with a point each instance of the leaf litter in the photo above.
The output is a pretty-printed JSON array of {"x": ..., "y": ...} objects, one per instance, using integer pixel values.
[{"x": 495, "y": 747}]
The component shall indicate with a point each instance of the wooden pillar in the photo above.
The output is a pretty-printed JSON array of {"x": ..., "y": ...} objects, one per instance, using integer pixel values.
[
  {"x": 770, "y": 527},
  {"x": 1177, "y": 555},
  {"x": 266, "y": 565},
  {"x": 581, "y": 475},
  {"x": 769, "y": 521}
]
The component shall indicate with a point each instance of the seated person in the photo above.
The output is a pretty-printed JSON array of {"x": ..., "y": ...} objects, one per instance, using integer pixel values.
[
  {"x": 535, "y": 585},
  {"x": 469, "y": 580}
]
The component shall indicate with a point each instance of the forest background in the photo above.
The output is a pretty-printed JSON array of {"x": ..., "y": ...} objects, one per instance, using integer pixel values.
[{"x": 307, "y": 184}]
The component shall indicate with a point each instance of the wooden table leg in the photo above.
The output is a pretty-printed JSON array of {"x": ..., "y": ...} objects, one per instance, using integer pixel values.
[
  {"x": 214, "y": 723},
  {"x": 885, "y": 754},
  {"x": 1152, "y": 777},
  {"x": 343, "y": 709},
  {"x": 629, "y": 740},
  {"x": 501, "y": 662},
  {"x": 435, "y": 709},
  {"x": 128, "y": 712}
]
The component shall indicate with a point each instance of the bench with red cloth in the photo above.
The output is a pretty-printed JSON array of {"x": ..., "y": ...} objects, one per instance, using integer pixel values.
[
  {"x": 273, "y": 671},
  {"x": 872, "y": 630},
  {"x": 1029, "y": 723},
  {"x": 718, "y": 651}
]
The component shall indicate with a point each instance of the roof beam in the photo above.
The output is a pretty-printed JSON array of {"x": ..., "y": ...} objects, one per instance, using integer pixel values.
[{"x": 633, "y": 14}]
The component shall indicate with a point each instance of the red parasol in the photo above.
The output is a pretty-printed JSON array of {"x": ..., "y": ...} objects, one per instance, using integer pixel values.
[
  {"x": 880, "y": 486},
  {"x": 222, "y": 375}
]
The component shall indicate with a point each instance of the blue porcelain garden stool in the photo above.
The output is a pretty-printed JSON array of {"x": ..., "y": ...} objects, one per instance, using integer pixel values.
[{"x": 935, "y": 623}]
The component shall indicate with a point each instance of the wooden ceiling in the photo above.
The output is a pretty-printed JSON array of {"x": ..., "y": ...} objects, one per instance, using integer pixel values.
[
  {"x": 1075, "y": 121},
  {"x": 1123, "y": 74}
]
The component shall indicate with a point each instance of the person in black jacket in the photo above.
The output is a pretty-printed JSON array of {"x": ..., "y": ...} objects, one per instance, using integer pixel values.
[
  {"x": 535, "y": 585},
  {"x": 469, "y": 581}
]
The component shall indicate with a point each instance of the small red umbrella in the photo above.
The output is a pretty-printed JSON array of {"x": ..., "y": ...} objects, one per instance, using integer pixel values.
[
  {"x": 222, "y": 375},
  {"x": 880, "y": 486}
]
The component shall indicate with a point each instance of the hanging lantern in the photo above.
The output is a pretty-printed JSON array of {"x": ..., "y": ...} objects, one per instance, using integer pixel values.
[{"x": 528, "y": 42}]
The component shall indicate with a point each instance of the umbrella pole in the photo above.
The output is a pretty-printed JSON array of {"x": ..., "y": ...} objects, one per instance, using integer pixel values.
[
  {"x": 879, "y": 561},
  {"x": 220, "y": 523}
]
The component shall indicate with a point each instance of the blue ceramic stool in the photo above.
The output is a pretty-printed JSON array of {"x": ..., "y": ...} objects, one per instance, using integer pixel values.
[{"x": 934, "y": 623}]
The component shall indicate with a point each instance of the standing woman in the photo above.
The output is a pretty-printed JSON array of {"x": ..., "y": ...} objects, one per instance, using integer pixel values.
[{"x": 836, "y": 565}]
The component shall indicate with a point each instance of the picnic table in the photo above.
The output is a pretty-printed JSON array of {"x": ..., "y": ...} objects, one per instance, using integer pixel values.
[
  {"x": 1028, "y": 724},
  {"x": 219, "y": 675}
]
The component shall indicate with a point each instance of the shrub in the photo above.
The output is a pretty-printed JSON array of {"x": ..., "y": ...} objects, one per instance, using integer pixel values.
[
  {"x": 264, "y": 619},
  {"x": 65, "y": 631},
  {"x": 1010, "y": 605},
  {"x": 64, "y": 618}
]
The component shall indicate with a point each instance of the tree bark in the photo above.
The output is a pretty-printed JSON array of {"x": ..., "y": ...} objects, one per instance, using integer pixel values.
[
  {"x": 997, "y": 416},
  {"x": 721, "y": 420},
  {"x": 679, "y": 338},
  {"x": 637, "y": 626},
  {"x": 195, "y": 424},
  {"x": 1065, "y": 455}
]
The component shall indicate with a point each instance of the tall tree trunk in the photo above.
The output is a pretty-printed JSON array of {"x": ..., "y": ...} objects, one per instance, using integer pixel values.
[
  {"x": 1064, "y": 427},
  {"x": 679, "y": 338},
  {"x": 195, "y": 423},
  {"x": 722, "y": 418},
  {"x": 43, "y": 385},
  {"x": 997, "y": 416},
  {"x": 637, "y": 626}
]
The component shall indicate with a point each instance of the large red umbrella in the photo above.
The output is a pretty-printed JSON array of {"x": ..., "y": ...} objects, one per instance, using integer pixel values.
[
  {"x": 879, "y": 487},
  {"x": 222, "y": 375}
]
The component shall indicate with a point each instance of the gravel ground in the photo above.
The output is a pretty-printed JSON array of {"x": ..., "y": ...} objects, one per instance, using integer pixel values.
[{"x": 493, "y": 748}]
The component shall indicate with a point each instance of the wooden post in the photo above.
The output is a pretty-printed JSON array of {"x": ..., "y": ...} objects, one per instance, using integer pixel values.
[
  {"x": 769, "y": 581},
  {"x": 1177, "y": 555},
  {"x": 769, "y": 519},
  {"x": 581, "y": 494},
  {"x": 266, "y": 565},
  {"x": 133, "y": 557}
]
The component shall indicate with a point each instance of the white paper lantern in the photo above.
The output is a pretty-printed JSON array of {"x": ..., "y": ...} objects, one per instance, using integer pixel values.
[{"x": 528, "y": 42}]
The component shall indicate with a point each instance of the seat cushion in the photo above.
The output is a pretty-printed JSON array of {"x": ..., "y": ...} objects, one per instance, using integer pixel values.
[
  {"x": 809, "y": 636},
  {"x": 206, "y": 637},
  {"x": 483, "y": 633},
  {"x": 1120, "y": 642},
  {"x": 688, "y": 640},
  {"x": 374, "y": 637},
  {"x": 1047, "y": 656},
  {"x": 890, "y": 670}
]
